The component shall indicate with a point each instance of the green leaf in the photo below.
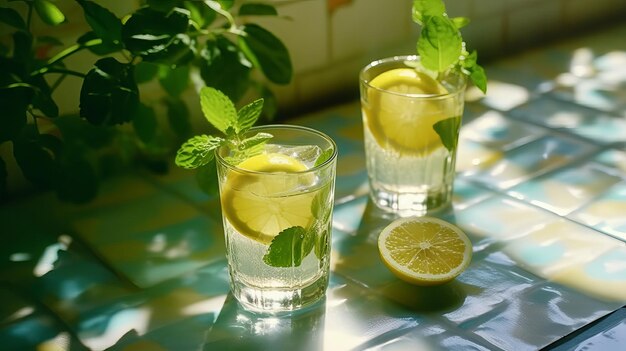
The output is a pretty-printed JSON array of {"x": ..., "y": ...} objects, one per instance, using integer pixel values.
[
  {"x": 289, "y": 248},
  {"x": 197, "y": 151},
  {"x": 267, "y": 52},
  {"x": 324, "y": 156},
  {"x": 476, "y": 72},
  {"x": 174, "y": 80},
  {"x": 225, "y": 68},
  {"x": 206, "y": 177},
  {"x": 424, "y": 9},
  {"x": 43, "y": 97},
  {"x": 257, "y": 9},
  {"x": 106, "y": 48},
  {"x": 14, "y": 102},
  {"x": 321, "y": 204},
  {"x": 321, "y": 247},
  {"x": 145, "y": 71},
  {"x": 103, "y": 22},
  {"x": 159, "y": 37},
  {"x": 448, "y": 131},
  {"x": 248, "y": 115},
  {"x": 255, "y": 140},
  {"x": 200, "y": 13},
  {"x": 49, "y": 12},
  {"x": 218, "y": 109},
  {"x": 460, "y": 22},
  {"x": 440, "y": 44},
  {"x": 145, "y": 123},
  {"x": 12, "y": 18},
  {"x": 109, "y": 94},
  {"x": 223, "y": 4},
  {"x": 178, "y": 117}
]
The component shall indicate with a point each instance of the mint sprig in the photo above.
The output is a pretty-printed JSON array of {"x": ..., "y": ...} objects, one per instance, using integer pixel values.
[
  {"x": 292, "y": 245},
  {"x": 441, "y": 46},
  {"x": 221, "y": 113}
]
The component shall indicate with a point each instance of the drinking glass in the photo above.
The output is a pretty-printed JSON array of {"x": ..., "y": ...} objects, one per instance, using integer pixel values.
[
  {"x": 410, "y": 135},
  {"x": 277, "y": 203}
]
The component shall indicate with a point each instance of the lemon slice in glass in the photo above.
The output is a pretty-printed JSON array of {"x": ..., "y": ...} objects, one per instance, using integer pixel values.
[
  {"x": 424, "y": 250},
  {"x": 399, "y": 121},
  {"x": 261, "y": 205}
]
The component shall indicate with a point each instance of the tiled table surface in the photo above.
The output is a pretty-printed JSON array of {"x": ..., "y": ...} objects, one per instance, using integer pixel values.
[{"x": 541, "y": 191}]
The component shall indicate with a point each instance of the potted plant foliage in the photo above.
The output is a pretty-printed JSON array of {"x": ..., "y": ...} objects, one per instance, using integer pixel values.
[{"x": 164, "y": 41}]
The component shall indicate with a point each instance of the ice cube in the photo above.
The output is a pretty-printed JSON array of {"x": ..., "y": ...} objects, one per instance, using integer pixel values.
[{"x": 307, "y": 154}]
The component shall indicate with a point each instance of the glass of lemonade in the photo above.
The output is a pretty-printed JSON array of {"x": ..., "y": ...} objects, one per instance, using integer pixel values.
[
  {"x": 411, "y": 124},
  {"x": 276, "y": 208}
]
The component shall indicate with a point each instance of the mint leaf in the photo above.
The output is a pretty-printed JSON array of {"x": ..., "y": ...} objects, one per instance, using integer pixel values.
[
  {"x": 476, "y": 72},
  {"x": 197, "y": 151},
  {"x": 448, "y": 130},
  {"x": 257, "y": 139},
  {"x": 289, "y": 248},
  {"x": 248, "y": 147},
  {"x": 424, "y": 9},
  {"x": 440, "y": 44},
  {"x": 323, "y": 157},
  {"x": 320, "y": 204},
  {"x": 248, "y": 115},
  {"x": 460, "y": 22},
  {"x": 218, "y": 109},
  {"x": 322, "y": 245}
]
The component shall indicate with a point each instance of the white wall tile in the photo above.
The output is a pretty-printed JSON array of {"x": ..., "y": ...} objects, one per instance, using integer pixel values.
[
  {"x": 304, "y": 32},
  {"x": 366, "y": 25}
]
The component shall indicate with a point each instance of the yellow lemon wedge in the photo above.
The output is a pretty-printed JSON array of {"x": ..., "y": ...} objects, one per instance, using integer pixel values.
[
  {"x": 261, "y": 205},
  {"x": 424, "y": 250},
  {"x": 399, "y": 121}
]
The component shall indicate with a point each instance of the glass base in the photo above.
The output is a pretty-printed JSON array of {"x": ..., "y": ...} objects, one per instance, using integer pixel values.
[
  {"x": 279, "y": 300},
  {"x": 407, "y": 204}
]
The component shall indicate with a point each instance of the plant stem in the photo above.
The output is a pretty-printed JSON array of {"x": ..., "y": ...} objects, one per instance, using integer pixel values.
[
  {"x": 215, "y": 6},
  {"x": 72, "y": 50},
  {"x": 58, "y": 82}
]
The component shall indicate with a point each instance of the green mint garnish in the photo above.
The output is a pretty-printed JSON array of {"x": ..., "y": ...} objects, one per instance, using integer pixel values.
[
  {"x": 448, "y": 132},
  {"x": 292, "y": 245},
  {"x": 440, "y": 46},
  {"x": 220, "y": 111},
  {"x": 323, "y": 157},
  {"x": 289, "y": 247}
]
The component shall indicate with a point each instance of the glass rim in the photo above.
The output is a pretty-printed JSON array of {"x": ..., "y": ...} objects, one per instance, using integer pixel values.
[
  {"x": 402, "y": 58},
  {"x": 293, "y": 127}
]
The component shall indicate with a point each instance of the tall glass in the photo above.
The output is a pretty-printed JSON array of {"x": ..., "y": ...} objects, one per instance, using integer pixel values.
[
  {"x": 411, "y": 133},
  {"x": 276, "y": 208}
]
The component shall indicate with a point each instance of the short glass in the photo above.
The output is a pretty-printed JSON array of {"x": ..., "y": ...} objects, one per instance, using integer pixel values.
[
  {"x": 276, "y": 210},
  {"x": 410, "y": 138}
]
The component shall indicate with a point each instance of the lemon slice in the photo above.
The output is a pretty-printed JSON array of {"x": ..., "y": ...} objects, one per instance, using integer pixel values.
[
  {"x": 424, "y": 250},
  {"x": 261, "y": 205},
  {"x": 397, "y": 121}
]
